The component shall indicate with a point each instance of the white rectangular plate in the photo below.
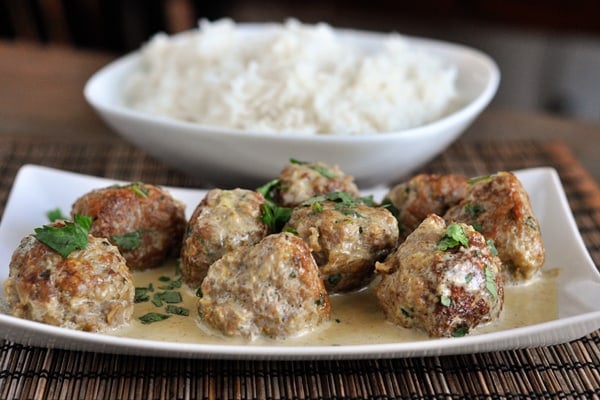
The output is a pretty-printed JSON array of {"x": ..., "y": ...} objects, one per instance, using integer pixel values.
[{"x": 39, "y": 189}]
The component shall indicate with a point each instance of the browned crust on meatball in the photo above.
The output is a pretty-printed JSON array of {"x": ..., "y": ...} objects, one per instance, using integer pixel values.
[
  {"x": 90, "y": 290},
  {"x": 445, "y": 293},
  {"x": 140, "y": 209},
  {"x": 222, "y": 221},
  {"x": 425, "y": 194},
  {"x": 302, "y": 181},
  {"x": 345, "y": 241},
  {"x": 499, "y": 207},
  {"x": 272, "y": 289}
]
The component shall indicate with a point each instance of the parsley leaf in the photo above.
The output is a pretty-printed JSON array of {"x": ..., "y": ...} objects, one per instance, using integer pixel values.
[
  {"x": 274, "y": 216},
  {"x": 176, "y": 310},
  {"x": 478, "y": 179},
  {"x": 153, "y": 317},
  {"x": 460, "y": 332},
  {"x": 268, "y": 188},
  {"x": 492, "y": 247},
  {"x": 490, "y": 283},
  {"x": 129, "y": 240},
  {"x": 139, "y": 189},
  {"x": 64, "y": 239},
  {"x": 454, "y": 236},
  {"x": 56, "y": 214}
]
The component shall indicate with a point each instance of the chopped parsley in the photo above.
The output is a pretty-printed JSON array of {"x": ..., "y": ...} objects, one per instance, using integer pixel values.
[
  {"x": 176, "y": 310},
  {"x": 172, "y": 283},
  {"x": 139, "y": 188},
  {"x": 468, "y": 278},
  {"x": 152, "y": 317},
  {"x": 272, "y": 215},
  {"x": 55, "y": 215},
  {"x": 478, "y": 179},
  {"x": 344, "y": 202},
  {"x": 474, "y": 210},
  {"x": 268, "y": 188},
  {"x": 446, "y": 301},
  {"x": 490, "y": 283},
  {"x": 492, "y": 247},
  {"x": 128, "y": 241},
  {"x": 142, "y": 294},
  {"x": 455, "y": 236},
  {"x": 168, "y": 296},
  {"x": 323, "y": 171},
  {"x": 460, "y": 332},
  {"x": 65, "y": 239}
]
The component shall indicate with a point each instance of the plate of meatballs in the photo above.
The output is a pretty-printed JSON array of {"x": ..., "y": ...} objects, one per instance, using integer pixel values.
[{"x": 305, "y": 266}]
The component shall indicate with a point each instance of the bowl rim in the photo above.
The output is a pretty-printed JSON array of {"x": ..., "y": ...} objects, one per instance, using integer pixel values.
[{"x": 463, "y": 112}]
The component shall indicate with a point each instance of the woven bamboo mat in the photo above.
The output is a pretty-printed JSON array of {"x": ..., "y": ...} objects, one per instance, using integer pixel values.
[{"x": 562, "y": 371}]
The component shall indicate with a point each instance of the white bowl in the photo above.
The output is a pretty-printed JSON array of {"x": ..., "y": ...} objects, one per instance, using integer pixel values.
[{"x": 229, "y": 158}]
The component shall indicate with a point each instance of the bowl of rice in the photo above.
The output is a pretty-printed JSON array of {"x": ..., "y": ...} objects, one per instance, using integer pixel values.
[{"x": 231, "y": 103}]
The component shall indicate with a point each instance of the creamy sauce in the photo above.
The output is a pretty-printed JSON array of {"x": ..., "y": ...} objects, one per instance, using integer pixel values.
[{"x": 355, "y": 317}]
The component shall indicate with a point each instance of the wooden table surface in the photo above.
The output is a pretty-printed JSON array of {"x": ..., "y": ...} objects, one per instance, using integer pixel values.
[{"x": 41, "y": 93}]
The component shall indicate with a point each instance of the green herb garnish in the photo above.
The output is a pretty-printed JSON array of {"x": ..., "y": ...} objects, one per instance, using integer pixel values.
[
  {"x": 171, "y": 309},
  {"x": 129, "y": 240},
  {"x": 268, "y": 188},
  {"x": 492, "y": 247},
  {"x": 445, "y": 301},
  {"x": 490, "y": 283},
  {"x": 477, "y": 179},
  {"x": 153, "y": 317},
  {"x": 65, "y": 239},
  {"x": 142, "y": 294},
  {"x": 323, "y": 171},
  {"x": 168, "y": 296},
  {"x": 460, "y": 332},
  {"x": 474, "y": 210},
  {"x": 274, "y": 216},
  {"x": 454, "y": 236},
  {"x": 173, "y": 284},
  {"x": 139, "y": 189},
  {"x": 55, "y": 215}
]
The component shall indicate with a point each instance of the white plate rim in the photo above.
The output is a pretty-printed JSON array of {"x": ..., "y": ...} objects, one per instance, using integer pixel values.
[{"x": 558, "y": 331}]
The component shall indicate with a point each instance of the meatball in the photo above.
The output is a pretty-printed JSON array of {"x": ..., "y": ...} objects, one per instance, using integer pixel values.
[
  {"x": 300, "y": 181},
  {"x": 272, "y": 289},
  {"x": 441, "y": 283},
  {"x": 91, "y": 289},
  {"x": 346, "y": 239},
  {"x": 223, "y": 221},
  {"x": 498, "y": 206},
  {"x": 422, "y": 195},
  {"x": 142, "y": 220}
]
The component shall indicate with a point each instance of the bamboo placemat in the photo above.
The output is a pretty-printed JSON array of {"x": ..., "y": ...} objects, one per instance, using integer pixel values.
[{"x": 561, "y": 371}]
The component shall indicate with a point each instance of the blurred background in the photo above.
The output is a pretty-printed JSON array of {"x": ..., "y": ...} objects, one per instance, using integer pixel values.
[{"x": 548, "y": 51}]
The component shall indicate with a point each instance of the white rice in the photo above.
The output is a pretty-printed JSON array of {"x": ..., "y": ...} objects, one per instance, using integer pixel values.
[{"x": 297, "y": 78}]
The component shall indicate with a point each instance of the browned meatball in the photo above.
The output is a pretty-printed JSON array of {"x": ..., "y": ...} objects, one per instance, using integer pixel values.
[
  {"x": 272, "y": 289},
  {"x": 142, "y": 220},
  {"x": 442, "y": 286},
  {"x": 498, "y": 206},
  {"x": 300, "y": 181},
  {"x": 422, "y": 195},
  {"x": 90, "y": 290},
  {"x": 223, "y": 221},
  {"x": 346, "y": 239}
]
